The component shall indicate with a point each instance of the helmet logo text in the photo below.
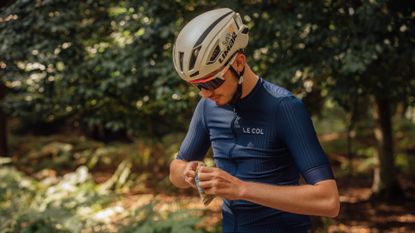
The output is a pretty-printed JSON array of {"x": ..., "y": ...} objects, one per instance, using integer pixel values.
[{"x": 230, "y": 41}]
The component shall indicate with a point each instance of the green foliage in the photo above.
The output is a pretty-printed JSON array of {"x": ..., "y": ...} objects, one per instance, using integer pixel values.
[
  {"x": 47, "y": 206},
  {"x": 40, "y": 42},
  {"x": 106, "y": 66},
  {"x": 73, "y": 204},
  {"x": 375, "y": 54},
  {"x": 405, "y": 149},
  {"x": 67, "y": 152},
  {"x": 147, "y": 220}
]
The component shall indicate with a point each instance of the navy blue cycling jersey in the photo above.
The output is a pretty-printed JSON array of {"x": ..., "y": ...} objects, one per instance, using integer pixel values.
[{"x": 266, "y": 137}]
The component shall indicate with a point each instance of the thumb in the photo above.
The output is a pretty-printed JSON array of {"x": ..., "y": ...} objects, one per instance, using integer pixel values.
[{"x": 193, "y": 165}]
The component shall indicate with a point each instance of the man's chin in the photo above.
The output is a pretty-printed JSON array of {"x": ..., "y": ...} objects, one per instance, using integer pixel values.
[{"x": 220, "y": 101}]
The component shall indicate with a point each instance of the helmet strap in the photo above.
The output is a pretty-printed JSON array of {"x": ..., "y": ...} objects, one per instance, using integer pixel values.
[{"x": 238, "y": 93}]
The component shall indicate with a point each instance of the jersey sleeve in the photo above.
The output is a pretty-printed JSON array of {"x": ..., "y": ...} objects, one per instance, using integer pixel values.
[
  {"x": 196, "y": 143},
  {"x": 297, "y": 132}
]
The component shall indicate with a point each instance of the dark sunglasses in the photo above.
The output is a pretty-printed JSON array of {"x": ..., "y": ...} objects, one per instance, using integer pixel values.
[
  {"x": 211, "y": 84},
  {"x": 215, "y": 81}
]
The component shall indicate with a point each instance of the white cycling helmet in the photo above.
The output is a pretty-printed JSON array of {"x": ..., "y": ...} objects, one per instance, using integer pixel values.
[{"x": 208, "y": 42}]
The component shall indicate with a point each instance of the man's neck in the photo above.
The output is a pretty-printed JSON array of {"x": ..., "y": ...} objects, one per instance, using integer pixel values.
[{"x": 250, "y": 80}]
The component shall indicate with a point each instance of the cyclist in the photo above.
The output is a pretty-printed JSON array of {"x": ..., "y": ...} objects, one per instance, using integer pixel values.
[{"x": 261, "y": 135}]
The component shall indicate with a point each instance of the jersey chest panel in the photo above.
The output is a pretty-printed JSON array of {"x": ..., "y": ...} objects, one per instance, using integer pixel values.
[{"x": 246, "y": 145}]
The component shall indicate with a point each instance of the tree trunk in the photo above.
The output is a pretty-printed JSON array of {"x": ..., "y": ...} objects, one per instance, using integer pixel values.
[
  {"x": 349, "y": 147},
  {"x": 3, "y": 117},
  {"x": 351, "y": 121},
  {"x": 385, "y": 184},
  {"x": 3, "y": 124}
]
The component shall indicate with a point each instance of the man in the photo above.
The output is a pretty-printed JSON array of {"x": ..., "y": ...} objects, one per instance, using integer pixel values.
[{"x": 261, "y": 135}]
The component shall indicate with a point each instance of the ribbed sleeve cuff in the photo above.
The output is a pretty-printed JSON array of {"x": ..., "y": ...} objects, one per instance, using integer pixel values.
[{"x": 319, "y": 173}]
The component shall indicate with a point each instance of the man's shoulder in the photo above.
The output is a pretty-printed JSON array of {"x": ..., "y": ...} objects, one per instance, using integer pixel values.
[
  {"x": 205, "y": 103},
  {"x": 277, "y": 92}
]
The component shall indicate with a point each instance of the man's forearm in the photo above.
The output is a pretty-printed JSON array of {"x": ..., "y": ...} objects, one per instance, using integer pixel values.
[
  {"x": 318, "y": 199},
  {"x": 176, "y": 173}
]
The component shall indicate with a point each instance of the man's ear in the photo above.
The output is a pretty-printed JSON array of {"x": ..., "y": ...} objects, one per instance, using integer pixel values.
[{"x": 240, "y": 61}]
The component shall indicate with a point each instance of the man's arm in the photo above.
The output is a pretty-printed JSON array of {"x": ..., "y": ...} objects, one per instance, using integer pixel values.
[
  {"x": 193, "y": 149},
  {"x": 321, "y": 199}
]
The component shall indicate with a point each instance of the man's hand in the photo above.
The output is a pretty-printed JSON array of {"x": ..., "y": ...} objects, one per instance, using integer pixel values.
[
  {"x": 216, "y": 181},
  {"x": 189, "y": 173}
]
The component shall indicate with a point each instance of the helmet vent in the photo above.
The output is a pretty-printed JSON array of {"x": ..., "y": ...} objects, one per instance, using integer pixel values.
[
  {"x": 235, "y": 18},
  {"x": 181, "y": 54},
  {"x": 193, "y": 58},
  {"x": 245, "y": 30},
  {"x": 215, "y": 55},
  {"x": 194, "y": 74}
]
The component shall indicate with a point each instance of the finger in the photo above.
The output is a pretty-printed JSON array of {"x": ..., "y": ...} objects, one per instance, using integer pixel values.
[
  {"x": 190, "y": 181},
  {"x": 203, "y": 169},
  {"x": 215, "y": 184},
  {"x": 190, "y": 173},
  {"x": 206, "y": 176},
  {"x": 200, "y": 163},
  {"x": 212, "y": 191},
  {"x": 199, "y": 166},
  {"x": 193, "y": 165},
  {"x": 205, "y": 184},
  {"x": 193, "y": 185}
]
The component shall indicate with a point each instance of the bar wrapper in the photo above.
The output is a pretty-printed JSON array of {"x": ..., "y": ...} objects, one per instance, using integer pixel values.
[{"x": 206, "y": 198}]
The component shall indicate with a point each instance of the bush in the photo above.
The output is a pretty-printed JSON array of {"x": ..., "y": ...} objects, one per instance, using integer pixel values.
[
  {"x": 74, "y": 203},
  {"x": 51, "y": 205},
  {"x": 147, "y": 220}
]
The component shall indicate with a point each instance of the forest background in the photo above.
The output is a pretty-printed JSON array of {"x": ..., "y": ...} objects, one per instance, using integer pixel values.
[{"x": 92, "y": 110}]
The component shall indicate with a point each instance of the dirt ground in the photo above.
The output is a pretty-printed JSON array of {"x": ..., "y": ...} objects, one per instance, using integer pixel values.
[{"x": 357, "y": 215}]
